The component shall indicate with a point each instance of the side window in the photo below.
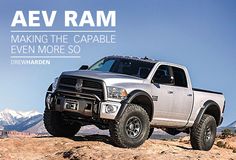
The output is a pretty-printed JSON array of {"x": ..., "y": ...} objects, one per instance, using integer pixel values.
[
  {"x": 162, "y": 72},
  {"x": 180, "y": 77}
]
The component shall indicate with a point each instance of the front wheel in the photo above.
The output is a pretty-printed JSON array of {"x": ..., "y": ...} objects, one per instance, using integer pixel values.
[
  {"x": 202, "y": 135},
  {"x": 57, "y": 127},
  {"x": 132, "y": 129}
]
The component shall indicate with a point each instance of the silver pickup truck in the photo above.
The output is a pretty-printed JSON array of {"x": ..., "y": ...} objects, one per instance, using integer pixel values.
[{"x": 131, "y": 96}]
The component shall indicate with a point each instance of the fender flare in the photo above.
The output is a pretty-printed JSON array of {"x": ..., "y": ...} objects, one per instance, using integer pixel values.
[
  {"x": 132, "y": 95},
  {"x": 207, "y": 105}
]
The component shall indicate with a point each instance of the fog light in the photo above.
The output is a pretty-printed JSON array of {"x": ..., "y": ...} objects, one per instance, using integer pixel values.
[{"x": 111, "y": 108}]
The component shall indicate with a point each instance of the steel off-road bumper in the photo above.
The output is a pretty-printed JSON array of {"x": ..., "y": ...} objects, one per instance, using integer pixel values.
[{"x": 84, "y": 106}]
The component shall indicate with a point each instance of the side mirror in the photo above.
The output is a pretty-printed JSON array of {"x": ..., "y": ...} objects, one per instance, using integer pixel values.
[{"x": 84, "y": 67}]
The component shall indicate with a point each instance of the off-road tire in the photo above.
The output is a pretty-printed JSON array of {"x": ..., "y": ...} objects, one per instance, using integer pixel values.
[
  {"x": 150, "y": 132},
  {"x": 57, "y": 127},
  {"x": 202, "y": 135},
  {"x": 125, "y": 133}
]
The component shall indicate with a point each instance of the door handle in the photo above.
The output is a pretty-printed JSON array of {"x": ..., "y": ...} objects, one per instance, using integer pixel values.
[
  {"x": 190, "y": 95},
  {"x": 170, "y": 92}
]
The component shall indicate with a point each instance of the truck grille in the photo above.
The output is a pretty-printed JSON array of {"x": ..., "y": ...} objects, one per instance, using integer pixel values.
[{"x": 81, "y": 85}]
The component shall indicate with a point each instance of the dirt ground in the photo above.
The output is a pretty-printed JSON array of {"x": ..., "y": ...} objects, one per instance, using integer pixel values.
[{"x": 98, "y": 147}]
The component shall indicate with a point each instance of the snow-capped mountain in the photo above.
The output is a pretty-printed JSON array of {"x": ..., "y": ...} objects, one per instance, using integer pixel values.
[
  {"x": 37, "y": 128},
  {"x": 12, "y": 117},
  {"x": 232, "y": 125},
  {"x": 26, "y": 124},
  {"x": 18, "y": 120}
]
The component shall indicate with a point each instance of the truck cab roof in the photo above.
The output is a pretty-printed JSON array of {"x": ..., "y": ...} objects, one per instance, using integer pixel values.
[{"x": 145, "y": 59}]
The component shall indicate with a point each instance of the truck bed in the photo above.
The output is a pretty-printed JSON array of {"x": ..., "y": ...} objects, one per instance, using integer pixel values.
[
  {"x": 202, "y": 90},
  {"x": 201, "y": 96}
]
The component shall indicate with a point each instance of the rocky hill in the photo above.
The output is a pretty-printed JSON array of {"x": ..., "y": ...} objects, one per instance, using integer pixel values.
[
  {"x": 99, "y": 147},
  {"x": 92, "y": 143}
]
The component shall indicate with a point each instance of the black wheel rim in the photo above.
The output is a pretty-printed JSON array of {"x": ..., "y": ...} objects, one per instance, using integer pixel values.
[
  {"x": 208, "y": 134},
  {"x": 133, "y": 127}
]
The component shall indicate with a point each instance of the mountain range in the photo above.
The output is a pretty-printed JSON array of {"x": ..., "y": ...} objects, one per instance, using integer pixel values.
[
  {"x": 232, "y": 125},
  {"x": 12, "y": 117},
  {"x": 21, "y": 121},
  {"x": 32, "y": 122}
]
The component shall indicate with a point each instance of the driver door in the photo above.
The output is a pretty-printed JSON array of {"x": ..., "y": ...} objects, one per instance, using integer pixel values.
[{"x": 164, "y": 93}]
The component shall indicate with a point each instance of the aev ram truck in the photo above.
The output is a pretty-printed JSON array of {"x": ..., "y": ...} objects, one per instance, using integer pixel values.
[{"x": 131, "y": 96}]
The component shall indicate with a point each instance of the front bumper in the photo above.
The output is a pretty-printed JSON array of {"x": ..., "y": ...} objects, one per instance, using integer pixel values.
[{"x": 88, "y": 106}]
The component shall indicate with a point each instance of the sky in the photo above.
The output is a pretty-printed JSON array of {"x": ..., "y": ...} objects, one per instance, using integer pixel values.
[{"x": 200, "y": 34}]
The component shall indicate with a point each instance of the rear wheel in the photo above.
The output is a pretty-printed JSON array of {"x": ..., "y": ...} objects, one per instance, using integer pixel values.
[
  {"x": 58, "y": 127},
  {"x": 132, "y": 129},
  {"x": 203, "y": 135}
]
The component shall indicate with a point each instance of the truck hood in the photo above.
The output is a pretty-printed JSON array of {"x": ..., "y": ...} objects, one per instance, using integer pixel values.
[{"x": 109, "y": 78}]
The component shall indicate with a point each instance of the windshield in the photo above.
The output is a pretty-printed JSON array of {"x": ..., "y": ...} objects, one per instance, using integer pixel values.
[{"x": 131, "y": 67}]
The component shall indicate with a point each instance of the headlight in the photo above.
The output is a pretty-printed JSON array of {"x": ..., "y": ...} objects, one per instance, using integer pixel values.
[
  {"x": 54, "y": 85},
  {"x": 117, "y": 93}
]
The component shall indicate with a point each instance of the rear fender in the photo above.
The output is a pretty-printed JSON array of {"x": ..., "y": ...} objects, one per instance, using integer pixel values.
[{"x": 212, "y": 108}]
